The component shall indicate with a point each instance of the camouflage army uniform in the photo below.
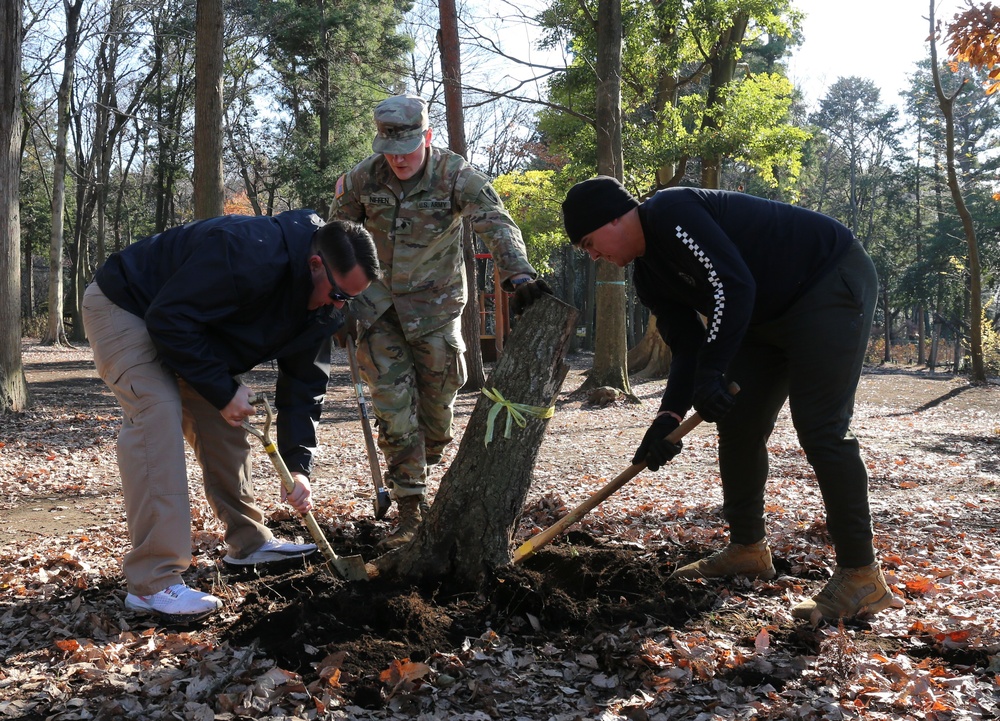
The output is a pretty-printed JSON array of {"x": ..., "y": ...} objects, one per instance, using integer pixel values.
[{"x": 410, "y": 344}]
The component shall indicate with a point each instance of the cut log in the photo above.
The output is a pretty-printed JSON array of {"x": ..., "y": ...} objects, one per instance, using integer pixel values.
[{"x": 470, "y": 527}]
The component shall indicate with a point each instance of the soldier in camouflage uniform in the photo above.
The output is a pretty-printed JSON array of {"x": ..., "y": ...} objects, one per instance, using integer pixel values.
[{"x": 412, "y": 197}]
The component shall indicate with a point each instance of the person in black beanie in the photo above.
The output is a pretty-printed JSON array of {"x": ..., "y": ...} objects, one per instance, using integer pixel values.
[{"x": 779, "y": 300}]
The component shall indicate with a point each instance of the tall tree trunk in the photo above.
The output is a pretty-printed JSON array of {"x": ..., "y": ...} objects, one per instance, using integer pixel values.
[
  {"x": 919, "y": 228},
  {"x": 887, "y": 331},
  {"x": 975, "y": 271},
  {"x": 610, "y": 346},
  {"x": 470, "y": 527},
  {"x": 56, "y": 333},
  {"x": 209, "y": 190},
  {"x": 451, "y": 72},
  {"x": 14, "y": 394}
]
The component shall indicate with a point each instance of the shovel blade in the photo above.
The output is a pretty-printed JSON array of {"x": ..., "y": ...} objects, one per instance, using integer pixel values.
[
  {"x": 382, "y": 503},
  {"x": 351, "y": 568}
]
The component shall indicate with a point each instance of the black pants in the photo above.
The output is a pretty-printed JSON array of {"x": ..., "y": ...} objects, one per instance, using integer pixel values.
[{"x": 812, "y": 355}]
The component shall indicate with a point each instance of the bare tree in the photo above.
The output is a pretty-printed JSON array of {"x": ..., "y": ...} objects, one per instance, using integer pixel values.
[
  {"x": 56, "y": 333},
  {"x": 451, "y": 71},
  {"x": 13, "y": 385},
  {"x": 947, "y": 103}
]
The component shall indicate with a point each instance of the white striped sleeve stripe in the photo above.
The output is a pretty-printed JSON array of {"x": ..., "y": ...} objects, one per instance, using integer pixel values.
[{"x": 713, "y": 278}]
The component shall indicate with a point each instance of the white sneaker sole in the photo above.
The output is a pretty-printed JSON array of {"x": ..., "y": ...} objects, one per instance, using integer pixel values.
[
  {"x": 267, "y": 557},
  {"x": 140, "y": 607}
]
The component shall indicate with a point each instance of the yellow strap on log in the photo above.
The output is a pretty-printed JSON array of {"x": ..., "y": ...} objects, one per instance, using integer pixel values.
[{"x": 516, "y": 413}]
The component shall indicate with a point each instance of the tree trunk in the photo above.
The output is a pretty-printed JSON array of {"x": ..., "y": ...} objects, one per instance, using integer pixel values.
[
  {"x": 470, "y": 527},
  {"x": 609, "y": 332},
  {"x": 723, "y": 65},
  {"x": 947, "y": 105},
  {"x": 13, "y": 385},
  {"x": 209, "y": 190},
  {"x": 887, "y": 331},
  {"x": 471, "y": 330},
  {"x": 451, "y": 72},
  {"x": 650, "y": 358},
  {"x": 56, "y": 333}
]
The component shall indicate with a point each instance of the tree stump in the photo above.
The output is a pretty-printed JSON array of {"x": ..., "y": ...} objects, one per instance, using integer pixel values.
[{"x": 470, "y": 527}]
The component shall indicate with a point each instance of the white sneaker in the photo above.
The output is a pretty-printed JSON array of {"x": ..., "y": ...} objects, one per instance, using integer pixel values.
[
  {"x": 177, "y": 601},
  {"x": 273, "y": 550}
]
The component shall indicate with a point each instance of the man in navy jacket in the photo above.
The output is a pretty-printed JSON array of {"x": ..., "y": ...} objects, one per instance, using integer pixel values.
[
  {"x": 174, "y": 320},
  {"x": 779, "y": 300}
]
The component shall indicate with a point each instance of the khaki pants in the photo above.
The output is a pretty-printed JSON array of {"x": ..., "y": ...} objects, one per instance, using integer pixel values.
[{"x": 160, "y": 411}]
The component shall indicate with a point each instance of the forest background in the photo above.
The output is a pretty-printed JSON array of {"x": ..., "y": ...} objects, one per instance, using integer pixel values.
[{"x": 108, "y": 100}]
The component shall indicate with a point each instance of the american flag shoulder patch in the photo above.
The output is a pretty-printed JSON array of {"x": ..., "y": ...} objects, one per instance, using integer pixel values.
[{"x": 339, "y": 190}]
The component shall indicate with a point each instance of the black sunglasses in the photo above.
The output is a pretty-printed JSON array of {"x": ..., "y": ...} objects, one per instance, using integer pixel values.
[{"x": 336, "y": 293}]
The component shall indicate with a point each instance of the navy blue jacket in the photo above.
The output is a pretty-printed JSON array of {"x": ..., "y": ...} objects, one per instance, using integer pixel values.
[
  {"x": 735, "y": 259},
  {"x": 224, "y": 295}
]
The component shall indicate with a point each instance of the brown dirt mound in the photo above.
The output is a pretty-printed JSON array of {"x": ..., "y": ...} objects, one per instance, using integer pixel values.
[{"x": 566, "y": 593}]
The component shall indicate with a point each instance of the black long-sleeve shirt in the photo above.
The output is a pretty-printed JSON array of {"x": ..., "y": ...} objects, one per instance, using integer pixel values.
[
  {"x": 734, "y": 259},
  {"x": 224, "y": 295}
]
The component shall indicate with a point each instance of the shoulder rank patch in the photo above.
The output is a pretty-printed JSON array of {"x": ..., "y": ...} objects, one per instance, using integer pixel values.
[{"x": 339, "y": 190}]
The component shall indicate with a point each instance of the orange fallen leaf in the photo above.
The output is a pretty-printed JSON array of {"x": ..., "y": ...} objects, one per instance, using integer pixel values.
[{"x": 919, "y": 584}]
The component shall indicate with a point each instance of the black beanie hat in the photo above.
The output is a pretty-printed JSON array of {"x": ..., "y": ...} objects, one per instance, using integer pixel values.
[{"x": 594, "y": 203}]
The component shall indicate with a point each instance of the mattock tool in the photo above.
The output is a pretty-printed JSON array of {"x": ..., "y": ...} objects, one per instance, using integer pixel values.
[
  {"x": 543, "y": 538},
  {"x": 381, "y": 502},
  {"x": 350, "y": 567}
]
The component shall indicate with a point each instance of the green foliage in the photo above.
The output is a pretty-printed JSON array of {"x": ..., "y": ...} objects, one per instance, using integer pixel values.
[
  {"x": 753, "y": 130},
  {"x": 533, "y": 198},
  {"x": 667, "y": 114},
  {"x": 991, "y": 345},
  {"x": 335, "y": 62}
]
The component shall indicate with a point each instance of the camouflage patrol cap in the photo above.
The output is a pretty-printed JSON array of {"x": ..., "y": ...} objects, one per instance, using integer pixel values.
[{"x": 401, "y": 121}]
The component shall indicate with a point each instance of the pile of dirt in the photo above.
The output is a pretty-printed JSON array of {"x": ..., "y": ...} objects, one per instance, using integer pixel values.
[{"x": 565, "y": 594}]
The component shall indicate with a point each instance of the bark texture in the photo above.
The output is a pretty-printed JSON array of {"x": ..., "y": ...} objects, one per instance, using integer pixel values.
[
  {"x": 650, "y": 358},
  {"x": 469, "y": 529},
  {"x": 13, "y": 385},
  {"x": 209, "y": 188}
]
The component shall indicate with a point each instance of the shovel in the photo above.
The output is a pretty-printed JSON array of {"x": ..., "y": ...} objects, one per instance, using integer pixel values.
[
  {"x": 545, "y": 537},
  {"x": 350, "y": 567},
  {"x": 381, "y": 502}
]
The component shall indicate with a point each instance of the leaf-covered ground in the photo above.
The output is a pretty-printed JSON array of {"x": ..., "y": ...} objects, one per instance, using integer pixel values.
[{"x": 589, "y": 628}]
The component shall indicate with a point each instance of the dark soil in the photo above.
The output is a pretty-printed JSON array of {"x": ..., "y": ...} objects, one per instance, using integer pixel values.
[{"x": 574, "y": 593}]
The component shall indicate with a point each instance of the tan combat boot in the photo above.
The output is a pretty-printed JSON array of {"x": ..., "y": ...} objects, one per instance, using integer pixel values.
[
  {"x": 751, "y": 561},
  {"x": 850, "y": 592},
  {"x": 409, "y": 519}
]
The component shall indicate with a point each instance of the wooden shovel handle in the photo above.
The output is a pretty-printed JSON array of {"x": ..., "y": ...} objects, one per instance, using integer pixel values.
[{"x": 545, "y": 537}]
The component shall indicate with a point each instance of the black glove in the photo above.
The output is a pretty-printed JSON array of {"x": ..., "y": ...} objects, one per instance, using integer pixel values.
[
  {"x": 655, "y": 449},
  {"x": 713, "y": 400},
  {"x": 527, "y": 293}
]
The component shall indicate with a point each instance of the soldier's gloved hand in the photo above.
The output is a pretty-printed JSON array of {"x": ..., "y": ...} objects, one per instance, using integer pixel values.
[
  {"x": 527, "y": 293},
  {"x": 712, "y": 399},
  {"x": 655, "y": 449}
]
